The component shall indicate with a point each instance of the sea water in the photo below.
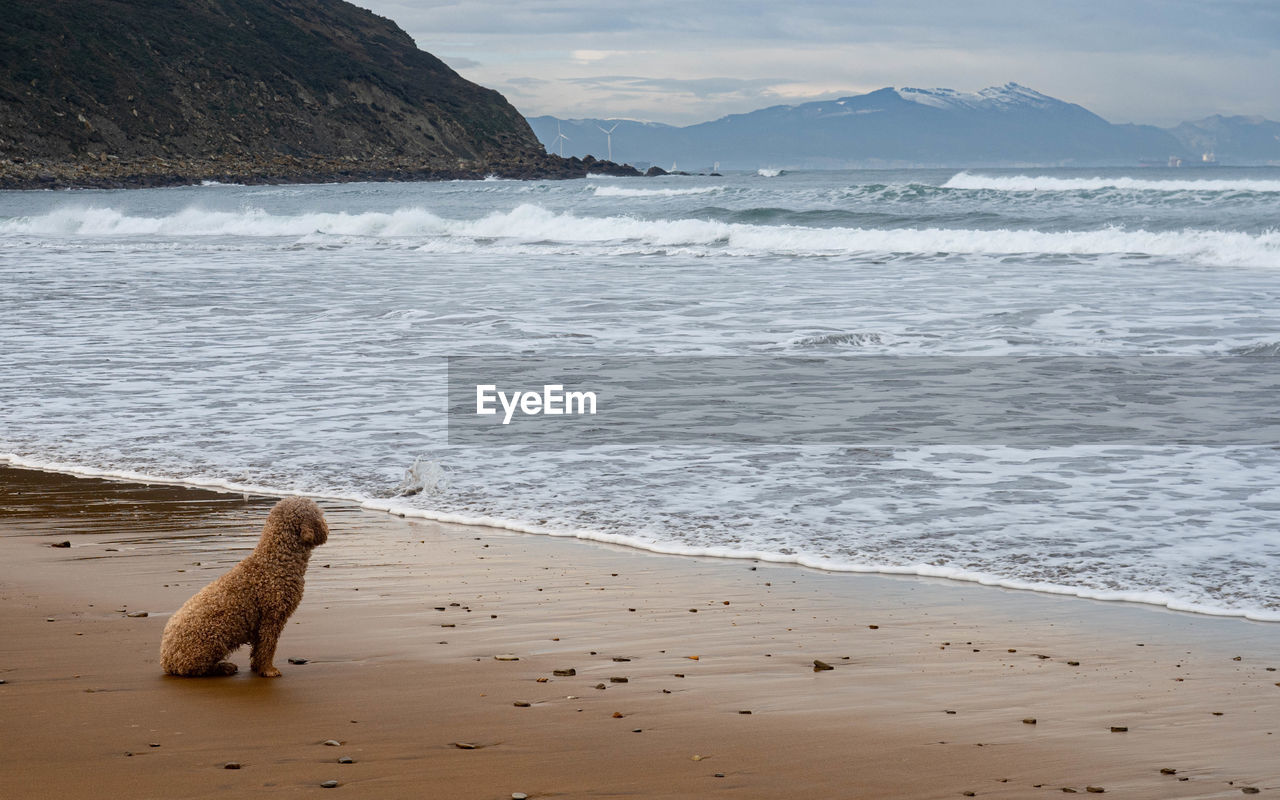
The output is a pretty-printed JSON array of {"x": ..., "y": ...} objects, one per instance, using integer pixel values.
[{"x": 292, "y": 339}]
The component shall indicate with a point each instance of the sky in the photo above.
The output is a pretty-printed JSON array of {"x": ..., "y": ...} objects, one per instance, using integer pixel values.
[{"x": 1149, "y": 61}]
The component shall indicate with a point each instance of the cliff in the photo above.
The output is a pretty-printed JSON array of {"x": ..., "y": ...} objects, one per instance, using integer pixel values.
[{"x": 144, "y": 92}]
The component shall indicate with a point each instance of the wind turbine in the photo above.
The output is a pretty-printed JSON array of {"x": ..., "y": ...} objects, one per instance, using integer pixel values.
[
  {"x": 608, "y": 135},
  {"x": 560, "y": 139}
]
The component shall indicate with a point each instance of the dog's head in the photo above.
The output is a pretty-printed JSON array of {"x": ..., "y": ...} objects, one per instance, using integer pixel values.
[{"x": 296, "y": 521}]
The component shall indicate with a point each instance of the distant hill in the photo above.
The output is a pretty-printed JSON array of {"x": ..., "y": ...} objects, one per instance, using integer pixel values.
[
  {"x": 250, "y": 89},
  {"x": 1235, "y": 140},
  {"x": 1008, "y": 125}
]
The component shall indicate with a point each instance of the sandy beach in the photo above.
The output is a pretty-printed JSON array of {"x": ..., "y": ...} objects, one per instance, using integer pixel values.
[{"x": 435, "y": 656}]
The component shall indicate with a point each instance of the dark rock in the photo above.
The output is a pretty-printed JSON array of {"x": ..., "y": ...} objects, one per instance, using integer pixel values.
[
  {"x": 1168, "y": 771},
  {"x": 329, "y": 785},
  {"x": 346, "y": 760},
  {"x": 61, "y": 544},
  {"x": 819, "y": 666},
  {"x": 231, "y": 765},
  {"x": 297, "y": 661},
  {"x": 564, "y": 673},
  {"x": 1119, "y": 729},
  {"x": 521, "y": 704},
  {"x": 618, "y": 680}
]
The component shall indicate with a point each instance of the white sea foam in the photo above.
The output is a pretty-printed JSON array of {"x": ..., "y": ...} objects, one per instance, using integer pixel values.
[
  {"x": 625, "y": 191},
  {"x": 532, "y": 228},
  {"x": 1041, "y": 183},
  {"x": 400, "y": 508},
  {"x": 768, "y": 172}
]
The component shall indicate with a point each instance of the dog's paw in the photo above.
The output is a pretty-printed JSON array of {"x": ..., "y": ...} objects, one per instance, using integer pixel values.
[
  {"x": 224, "y": 668},
  {"x": 269, "y": 672}
]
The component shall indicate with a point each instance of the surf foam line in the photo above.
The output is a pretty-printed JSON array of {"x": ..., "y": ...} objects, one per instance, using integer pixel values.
[
  {"x": 1041, "y": 183},
  {"x": 390, "y": 506},
  {"x": 532, "y": 229}
]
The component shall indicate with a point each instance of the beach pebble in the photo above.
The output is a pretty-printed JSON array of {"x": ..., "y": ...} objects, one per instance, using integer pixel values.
[
  {"x": 968, "y": 794},
  {"x": 332, "y": 743},
  {"x": 231, "y": 765},
  {"x": 600, "y": 686},
  {"x": 506, "y": 657},
  {"x": 719, "y": 774},
  {"x": 620, "y": 658},
  {"x": 521, "y": 704},
  {"x": 136, "y": 614},
  {"x": 1119, "y": 729},
  {"x": 1250, "y": 789},
  {"x": 1095, "y": 789},
  {"x": 744, "y": 711},
  {"x": 1168, "y": 771},
  {"x": 519, "y": 796},
  {"x": 329, "y": 785},
  {"x": 1029, "y": 721},
  {"x": 543, "y": 680},
  {"x": 154, "y": 744},
  {"x": 466, "y": 746},
  {"x": 819, "y": 666},
  {"x": 619, "y": 680},
  {"x": 678, "y": 674},
  {"x": 297, "y": 661},
  {"x": 1073, "y": 663},
  {"x": 563, "y": 673},
  {"x": 346, "y": 760},
  {"x": 61, "y": 544}
]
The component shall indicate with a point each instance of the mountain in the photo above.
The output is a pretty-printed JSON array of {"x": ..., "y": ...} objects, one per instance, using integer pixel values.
[
  {"x": 1235, "y": 140},
  {"x": 175, "y": 90},
  {"x": 1008, "y": 125}
]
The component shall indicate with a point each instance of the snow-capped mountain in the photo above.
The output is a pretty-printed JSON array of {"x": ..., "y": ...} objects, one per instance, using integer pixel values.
[{"x": 999, "y": 126}]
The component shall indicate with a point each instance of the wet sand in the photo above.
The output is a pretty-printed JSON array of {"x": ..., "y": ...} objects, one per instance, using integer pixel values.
[{"x": 938, "y": 688}]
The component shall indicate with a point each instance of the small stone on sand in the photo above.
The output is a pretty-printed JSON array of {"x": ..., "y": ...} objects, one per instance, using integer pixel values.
[
  {"x": 1168, "y": 771},
  {"x": 465, "y": 746},
  {"x": 506, "y": 657},
  {"x": 346, "y": 760},
  {"x": 297, "y": 661},
  {"x": 618, "y": 680},
  {"x": 61, "y": 544},
  {"x": 332, "y": 743},
  {"x": 329, "y": 785},
  {"x": 136, "y": 614},
  {"x": 819, "y": 666},
  {"x": 617, "y": 715},
  {"x": 521, "y": 704},
  {"x": 231, "y": 765},
  {"x": 744, "y": 711},
  {"x": 1073, "y": 663},
  {"x": 1250, "y": 789},
  {"x": 620, "y": 658},
  {"x": 1095, "y": 789},
  {"x": 1029, "y": 721},
  {"x": 519, "y": 796},
  {"x": 1119, "y": 729}
]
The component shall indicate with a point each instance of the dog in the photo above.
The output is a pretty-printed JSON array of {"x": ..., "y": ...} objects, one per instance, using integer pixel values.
[{"x": 251, "y": 603}]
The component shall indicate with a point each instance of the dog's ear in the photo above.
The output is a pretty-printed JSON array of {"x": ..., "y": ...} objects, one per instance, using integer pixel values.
[{"x": 314, "y": 532}]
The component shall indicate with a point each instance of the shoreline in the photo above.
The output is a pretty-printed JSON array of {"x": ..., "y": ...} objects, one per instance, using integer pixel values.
[
  {"x": 112, "y": 172},
  {"x": 933, "y": 680},
  {"x": 948, "y": 574}
]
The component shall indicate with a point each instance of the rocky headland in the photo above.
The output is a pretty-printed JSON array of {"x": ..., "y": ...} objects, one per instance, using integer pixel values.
[{"x": 105, "y": 93}]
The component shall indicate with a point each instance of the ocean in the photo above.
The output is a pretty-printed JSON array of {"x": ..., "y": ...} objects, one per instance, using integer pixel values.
[{"x": 293, "y": 339}]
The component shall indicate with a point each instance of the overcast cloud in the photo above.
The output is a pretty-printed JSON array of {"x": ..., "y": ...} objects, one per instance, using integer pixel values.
[{"x": 1155, "y": 61}]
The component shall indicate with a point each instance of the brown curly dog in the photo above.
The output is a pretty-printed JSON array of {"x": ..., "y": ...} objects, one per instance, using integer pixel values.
[{"x": 251, "y": 603}]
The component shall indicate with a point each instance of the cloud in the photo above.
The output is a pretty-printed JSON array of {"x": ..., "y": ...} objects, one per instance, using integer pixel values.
[
  {"x": 461, "y": 62},
  {"x": 1129, "y": 60}
]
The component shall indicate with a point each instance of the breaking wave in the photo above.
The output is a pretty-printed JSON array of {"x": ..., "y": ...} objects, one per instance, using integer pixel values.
[
  {"x": 624, "y": 191},
  {"x": 534, "y": 229},
  {"x": 1040, "y": 183}
]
